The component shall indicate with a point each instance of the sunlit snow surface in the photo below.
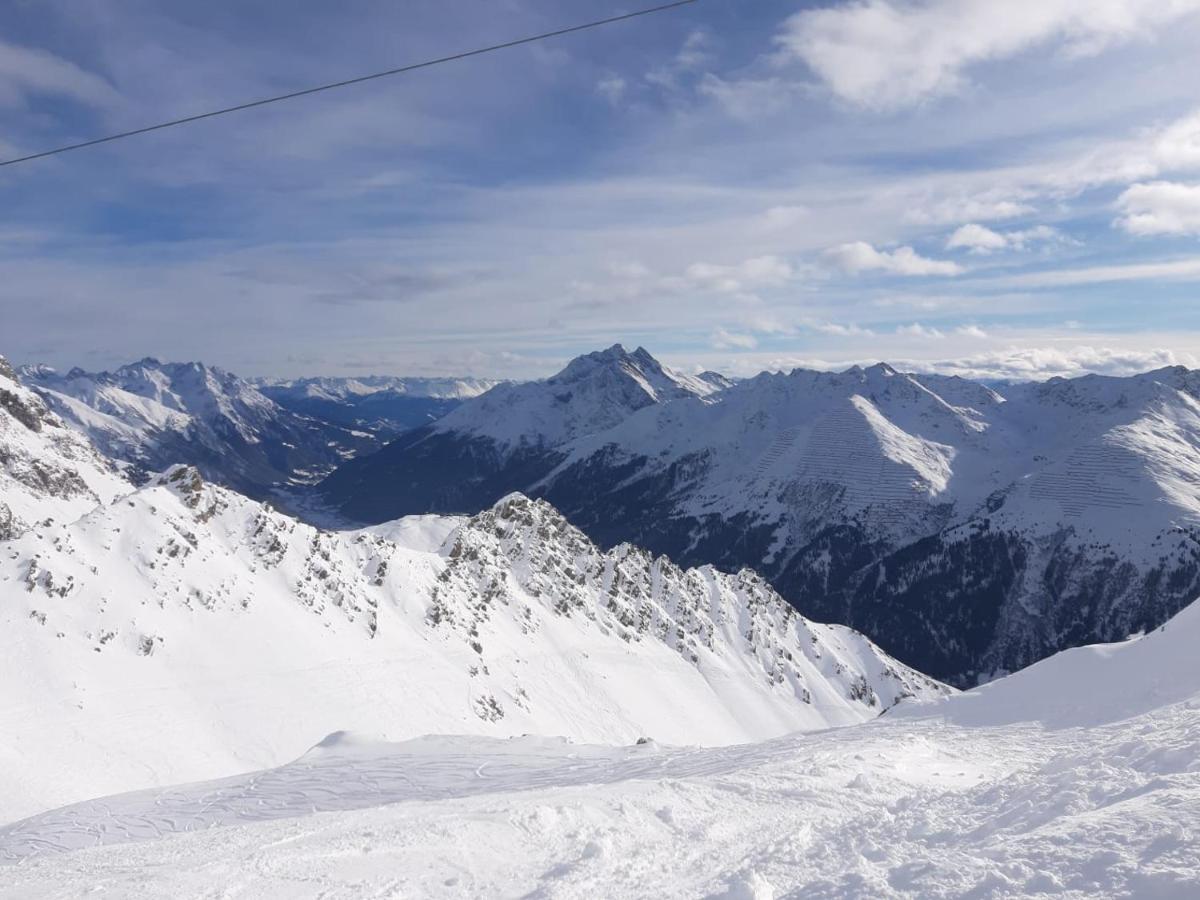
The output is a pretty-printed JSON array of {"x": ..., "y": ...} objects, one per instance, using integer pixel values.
[{"x": 1006, "y": 791}]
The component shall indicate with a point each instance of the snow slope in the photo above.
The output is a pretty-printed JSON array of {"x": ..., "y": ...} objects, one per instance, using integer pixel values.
[
  {"x": 184, "y": 631},
  {"x": 1087, "y": 686},
  {"x": 151, "y": 415},
  {"x": 47, "y": 471},
  {"x": 987, "y": 794}
]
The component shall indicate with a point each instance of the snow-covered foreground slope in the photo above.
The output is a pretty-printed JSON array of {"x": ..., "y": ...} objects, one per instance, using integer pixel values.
[
  {"x": 988, "y": 794},
  {"x": 47, "y": 471},
  {"x": 1087, "y": 686},
  {"x": 184, "y": 632}
]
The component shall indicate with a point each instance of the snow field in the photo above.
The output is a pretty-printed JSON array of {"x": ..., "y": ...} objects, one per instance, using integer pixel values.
[{"x": 887, "y": 809}]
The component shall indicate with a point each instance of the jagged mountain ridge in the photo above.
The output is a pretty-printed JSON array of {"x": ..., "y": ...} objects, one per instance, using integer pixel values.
[
  {"x": 382, "y": 405},
  {"x": 151, "y": 415},
  {"x": 185, "y": 631},
  {"x": 970, "y": 532},
  {"x": 47, "y": 471}
]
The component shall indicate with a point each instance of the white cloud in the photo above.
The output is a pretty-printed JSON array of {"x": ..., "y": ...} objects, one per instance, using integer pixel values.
[
  {"x": 1160, "y": 207},
  {"x": 1177, "y": 146},
  {"x": 888, "y": 54},
  {"x": 977, "y": 239},
  {"x": 611, "y": 88},
  {"x": 759, "y": 271},
  {"x": 917, "y": 330},
  {"x": 986, "y": 206},
  {"x": 1040, "y": 363},
  {"x": 726, "y": 340},
  {"x": 629, "y": 270},
  {"x": 971, "y": 331},
  {"x": 841, "y": 330},
  {"x": 1017, "y": 190},
  {"x": 748, "y": 98},
  {"x": 859, "y": 256},
  {"x": 981, "y": 239},
  {"x": 1186, "y": 269},
  {"x": 24, "y": 70},
  {"x": 695, "y": 53},
  {"x": 1033, "y": 357},
  {"x": 784, "y": 216}
]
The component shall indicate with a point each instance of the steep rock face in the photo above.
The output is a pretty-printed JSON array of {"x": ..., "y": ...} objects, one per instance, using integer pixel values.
[
  {"x": 185, "y": 631},
  {"x": 151, "y": 415},
  {"x": 47, "y": 471},
  {"x": 970, "y": 533}
]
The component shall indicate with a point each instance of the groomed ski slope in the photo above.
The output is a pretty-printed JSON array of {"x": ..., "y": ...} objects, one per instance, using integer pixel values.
[{"x": 1079, "y": 777}]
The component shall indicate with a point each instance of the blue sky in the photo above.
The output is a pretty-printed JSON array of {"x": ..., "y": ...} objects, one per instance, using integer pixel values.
[{"x": 999, "y": 189}]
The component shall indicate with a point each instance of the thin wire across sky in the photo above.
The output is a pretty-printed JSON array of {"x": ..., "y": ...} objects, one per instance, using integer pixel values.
[{"x": 400, "y": 70}]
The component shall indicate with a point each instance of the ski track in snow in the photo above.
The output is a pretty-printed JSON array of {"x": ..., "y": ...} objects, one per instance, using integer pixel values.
[{"x": 904, "y": 808}]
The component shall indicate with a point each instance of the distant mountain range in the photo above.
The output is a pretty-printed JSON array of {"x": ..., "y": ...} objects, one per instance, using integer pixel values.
[
  {"x": 382, "y": 405},
  {"x": 258, "y": 437},
  {"x": 971, "y": 531}
]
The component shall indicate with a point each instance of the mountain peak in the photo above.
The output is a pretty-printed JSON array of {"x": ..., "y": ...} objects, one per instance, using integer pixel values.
[
  {"x": 638, "y": 370},
  {"x": 615, "y": 356},
  {"x": 876, "y": 370}
]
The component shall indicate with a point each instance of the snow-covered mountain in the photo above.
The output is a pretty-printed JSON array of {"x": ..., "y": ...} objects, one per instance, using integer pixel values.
[
  {"x": 1077, "y": 777},
  {"x": 511, "y": 435},
  {"x": 341, "y": 388},
  {"x": 592, "y": 394},
  {"x": 185, "y": 631},
  {"x": 382, "y": 405},
  {"x": 151, "y": 415},
  {"x": 970, "y": 532},
  {"x": 47, "y": 471}
]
